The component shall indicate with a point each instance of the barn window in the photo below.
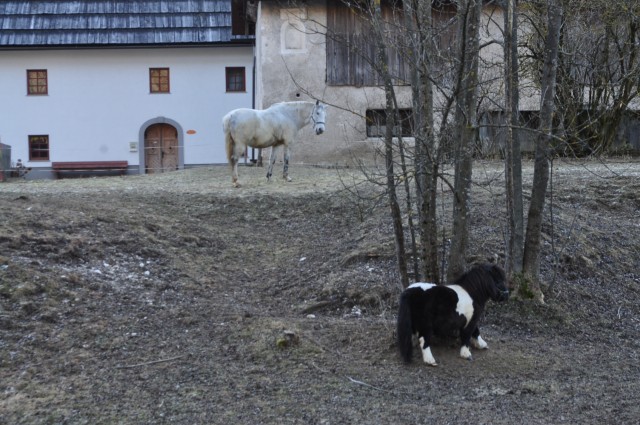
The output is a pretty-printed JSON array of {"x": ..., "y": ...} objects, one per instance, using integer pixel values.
[
  {"x": 38, "y": 148},
  {"x": 159, "y": 80},
  {"x": 37, "y": 81},
  {"x": 236, "y": 81},
  {"x": 377, "y": 123}
]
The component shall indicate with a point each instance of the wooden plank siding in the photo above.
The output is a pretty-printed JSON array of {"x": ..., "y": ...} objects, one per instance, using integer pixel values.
[{"x": 351, "y": 47}]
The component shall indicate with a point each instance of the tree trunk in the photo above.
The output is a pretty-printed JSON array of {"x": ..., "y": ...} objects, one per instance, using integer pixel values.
[
  {"x": 383, "y": 69},
  {"x": 513, "y": 160},
  {"x": 419, "y": 23},
  {"x": 465, "y": 118},
  {"x": 530, "y": 286}
]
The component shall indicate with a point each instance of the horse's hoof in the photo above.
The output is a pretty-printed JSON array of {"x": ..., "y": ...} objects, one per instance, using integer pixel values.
[
  {"x": 465, "y": 353},
  {"x": 431, "y": 363},
  {"x": 479, "y": 343}
]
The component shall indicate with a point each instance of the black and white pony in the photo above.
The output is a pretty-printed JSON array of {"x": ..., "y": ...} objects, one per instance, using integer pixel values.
[{"x": 427, "y": 309}]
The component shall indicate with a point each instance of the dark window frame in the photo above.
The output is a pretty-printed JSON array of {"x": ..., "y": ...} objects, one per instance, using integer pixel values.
[
  {"x": 37, "y": 82},
  {"x": 236, "y": 79},
  {"x": 376, "y": 123},
  {"x": 39, "y": 147},
  {"x": 159, "y": 83}
]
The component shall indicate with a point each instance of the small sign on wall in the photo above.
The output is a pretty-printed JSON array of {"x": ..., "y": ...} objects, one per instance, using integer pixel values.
[{"x": 133, "y": 146}]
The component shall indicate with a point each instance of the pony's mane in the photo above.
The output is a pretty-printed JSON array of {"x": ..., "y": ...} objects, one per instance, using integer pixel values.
[{"x": 479, "y": 281}]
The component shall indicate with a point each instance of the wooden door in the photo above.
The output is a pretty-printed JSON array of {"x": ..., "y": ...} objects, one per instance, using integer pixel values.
[{"x": 161, "y": 148}]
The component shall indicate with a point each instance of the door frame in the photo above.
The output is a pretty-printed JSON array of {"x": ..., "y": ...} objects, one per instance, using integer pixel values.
[{"x": 141, "y": 141}]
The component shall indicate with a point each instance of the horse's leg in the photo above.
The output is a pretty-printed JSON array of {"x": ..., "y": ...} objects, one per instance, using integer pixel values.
[
  {"x": 465, "y": 336},
  {"x": 287, "y": 155},
  {"x": 424, "y": 340},
  {"x": 259, "y": 163},
  {"x": 477, "y": 341},
  {"x": 272, "y": 160}
]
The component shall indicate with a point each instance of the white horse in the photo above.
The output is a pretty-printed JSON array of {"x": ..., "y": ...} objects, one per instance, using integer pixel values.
[{"x": 275, "y": 126}]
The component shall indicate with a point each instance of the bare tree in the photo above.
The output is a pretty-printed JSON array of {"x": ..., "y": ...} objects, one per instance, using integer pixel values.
[
  {"x": 469, "y": 12},
  {"x": 382, "y": 67},
  {"x": 513, "y": 157},
  {"x": 530, "y": 286},
  {"x": 599, "y": 72},
  {"x": 419, "y": 23}
]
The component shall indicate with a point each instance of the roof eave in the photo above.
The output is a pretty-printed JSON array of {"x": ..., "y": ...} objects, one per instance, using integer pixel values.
[{"x": 229, "y": 43}]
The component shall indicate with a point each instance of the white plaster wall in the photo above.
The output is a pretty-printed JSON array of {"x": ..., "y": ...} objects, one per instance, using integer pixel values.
[
  {"x": 492, "y": 77},
  {"x": 99, "y": 99}
]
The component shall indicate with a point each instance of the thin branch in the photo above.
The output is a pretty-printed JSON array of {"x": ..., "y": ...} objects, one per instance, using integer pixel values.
[{"x": 364, "y": 384}]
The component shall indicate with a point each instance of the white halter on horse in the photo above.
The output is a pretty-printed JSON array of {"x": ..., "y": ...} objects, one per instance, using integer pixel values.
[{"x": 275, "y": 126}]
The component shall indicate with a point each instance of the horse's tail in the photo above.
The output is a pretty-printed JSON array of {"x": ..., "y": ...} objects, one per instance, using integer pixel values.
[
  {"x": 229, "y": 142},
  {"x": 405, "y": 327}
]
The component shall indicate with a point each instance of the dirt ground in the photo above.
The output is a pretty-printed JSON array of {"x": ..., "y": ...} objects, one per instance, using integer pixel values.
[{"x": 177, "y": 299}]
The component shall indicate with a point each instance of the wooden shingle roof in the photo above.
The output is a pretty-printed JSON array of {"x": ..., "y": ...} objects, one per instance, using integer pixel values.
[{"x": 106, "y": 23}]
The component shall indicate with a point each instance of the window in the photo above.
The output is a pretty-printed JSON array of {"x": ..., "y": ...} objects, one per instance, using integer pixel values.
[
  {"x": 376, "y": 123},
  {"x": 159, "y": 80},
  {"x": 38, "y": 148},
  {"x": 37, "y": 81},
  {"x": 235, "y": 79}
]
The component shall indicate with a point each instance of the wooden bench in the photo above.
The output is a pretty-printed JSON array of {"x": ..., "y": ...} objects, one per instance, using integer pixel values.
[{"x": 83, "y": 168}]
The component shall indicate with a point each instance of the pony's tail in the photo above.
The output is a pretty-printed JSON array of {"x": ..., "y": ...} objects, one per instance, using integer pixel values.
[{"x": 405, "y": 328}]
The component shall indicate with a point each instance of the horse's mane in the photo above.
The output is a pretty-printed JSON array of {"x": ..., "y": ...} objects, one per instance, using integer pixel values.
[
  {"x": 480, "y": 280},
  {"x": 294, "y": 103},
  {"x": 300, "y": 108}
]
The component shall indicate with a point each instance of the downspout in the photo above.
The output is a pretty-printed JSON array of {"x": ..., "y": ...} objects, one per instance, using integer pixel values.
[{"x": 253, "y": 98}]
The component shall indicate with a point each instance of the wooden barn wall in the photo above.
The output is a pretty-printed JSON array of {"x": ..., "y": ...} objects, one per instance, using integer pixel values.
[{"x": 351, "y": 48}]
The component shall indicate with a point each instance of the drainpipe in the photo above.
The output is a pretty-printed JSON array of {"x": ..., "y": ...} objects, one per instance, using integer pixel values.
[{"x": 253, "y": 99}]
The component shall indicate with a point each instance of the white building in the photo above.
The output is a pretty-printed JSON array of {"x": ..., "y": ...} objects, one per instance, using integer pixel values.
[{"x": 146, "y": 82}]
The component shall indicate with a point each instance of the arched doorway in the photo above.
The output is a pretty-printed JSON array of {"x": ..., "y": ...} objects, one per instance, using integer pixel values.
[{"x": 161, "y": 151}]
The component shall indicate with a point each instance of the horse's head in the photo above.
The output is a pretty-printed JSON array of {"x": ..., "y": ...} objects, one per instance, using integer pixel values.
[
  {"x": 500, "y": 282},
  {"x": 318, "y": 117}
]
